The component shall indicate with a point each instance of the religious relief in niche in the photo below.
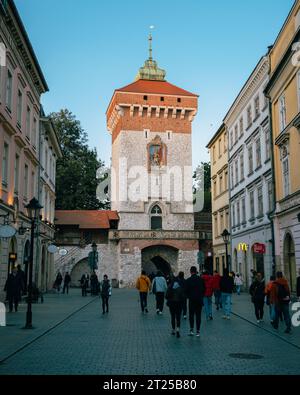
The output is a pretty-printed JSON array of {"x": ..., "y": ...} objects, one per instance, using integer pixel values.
[{"x": 157, "y": 155}]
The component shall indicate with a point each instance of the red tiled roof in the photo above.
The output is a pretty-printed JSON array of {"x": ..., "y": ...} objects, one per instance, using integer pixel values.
[
  {"x": 158, "y": 87},
  {"x": 86, "y": 219}
]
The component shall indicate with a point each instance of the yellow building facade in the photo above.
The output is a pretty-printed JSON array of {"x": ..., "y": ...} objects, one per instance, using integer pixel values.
[
  {"x": 283, "y": 90},
  {"x": 220, "y": 195}
]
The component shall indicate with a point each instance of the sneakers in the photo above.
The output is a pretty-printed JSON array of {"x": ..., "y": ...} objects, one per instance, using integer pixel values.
[
  {"x": 224, "y": 317},
  {"x": 288, "y": 330},
  {"x": 173, "y": 332},
  {"x": 184, "y": 317},
  {"x": 258, "y": 321},
  {"x": 160, "y": 313},
  {"x": 191, "y": 332},
  {"x": 157, "y": 311},
  {"x": 228, "y": 318},
  {"x": 177, "y": 334},
  {"x": 146, "y": 311},
  {"x": 198, "y": 334}
]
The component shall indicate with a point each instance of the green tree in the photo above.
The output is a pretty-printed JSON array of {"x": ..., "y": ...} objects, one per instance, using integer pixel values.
[
  {"x": 76, "y": 180},
  {"x": 202, "y": 182}
]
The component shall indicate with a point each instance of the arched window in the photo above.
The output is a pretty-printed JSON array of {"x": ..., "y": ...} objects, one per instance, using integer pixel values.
[{"x": 156, "y": 217}]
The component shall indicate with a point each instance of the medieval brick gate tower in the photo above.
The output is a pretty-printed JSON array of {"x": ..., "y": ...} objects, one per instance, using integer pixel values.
[{"x": 150, "y": 122}]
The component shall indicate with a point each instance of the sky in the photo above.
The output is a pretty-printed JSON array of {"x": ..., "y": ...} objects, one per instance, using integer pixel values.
[{"x": 89, "y": 48}]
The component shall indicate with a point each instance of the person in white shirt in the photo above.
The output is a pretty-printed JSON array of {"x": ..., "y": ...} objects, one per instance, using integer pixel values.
[
  {"x": 159, "y": 288},
  {"x": 238, "y": 282}
]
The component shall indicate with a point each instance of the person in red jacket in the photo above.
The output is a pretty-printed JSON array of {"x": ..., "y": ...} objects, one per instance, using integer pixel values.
[
  {"x": 216, "y": 289},
  {"x": 207, "y": 300}
]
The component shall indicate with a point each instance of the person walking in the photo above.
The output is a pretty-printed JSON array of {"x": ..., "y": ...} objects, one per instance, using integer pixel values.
[
  {"x": 22, "y": 276},
  {"x": 58, "y": 281},
  {"x": 13, "y": 288},
  {"x": 194, "y": 289},
  {"x": 105, "y": 291},
  {"x": 238, "y": 282},
  {"x": 175, "y": 296},
  {"x": 67, "y": 281},
  {"x": 182, "y": 281},
  {"x": 159, "y": 288},
  {"x": 94, "y": 283},
  {"x": 257, "y": 292},
  {"x": 226, "y": 288},
  {"x": 143, "y": 285},
  {"x": 216, "y": 288},
  {"x": 84, "y": 285},
  {"x": 268, "y": 299},
  {"x": 208, "y": 293},
  {"x": 280, "y": 296}
]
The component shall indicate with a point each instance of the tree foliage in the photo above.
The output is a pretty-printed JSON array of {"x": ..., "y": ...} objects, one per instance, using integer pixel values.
[{"x": 76, "y": 180}]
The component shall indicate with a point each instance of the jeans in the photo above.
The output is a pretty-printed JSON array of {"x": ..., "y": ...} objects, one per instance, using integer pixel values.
[
  {"x": 226, "y": 303},
  {"x": 272, "y": 312},
  {"x": 285, "y": 310},
  {"x": 175, "y": 311},
  {"x": 259, "y": 309},
  {"x": 160, "y": 298},
  {"x": 195, "y": 309},
  {"x": 104, "y": 303},
  {"x": 207, "y": 301},
  {"x": 218, "y": 301},
  {"x": 238, "y": 289},
  {"x": 143, "y": 300}
]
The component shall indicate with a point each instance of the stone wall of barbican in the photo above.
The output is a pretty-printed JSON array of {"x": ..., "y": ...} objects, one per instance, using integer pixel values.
[{"x": 132, "y": 145}]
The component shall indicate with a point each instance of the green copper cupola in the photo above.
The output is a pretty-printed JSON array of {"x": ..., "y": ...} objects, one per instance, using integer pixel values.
[{"x": 150, "y": 70}]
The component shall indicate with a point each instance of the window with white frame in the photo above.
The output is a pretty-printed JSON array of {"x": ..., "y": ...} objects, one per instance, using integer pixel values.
[
  {"x": 282, "y": 113},
  {"x": 236, "y": 133},
  {"x": 226, "y": 180},
  {"x": 215, "y": 189},
  {"x": 19, "y": 108},
  {"x": 221, "y": 221},
  {"x": 9, "y": 87},
  {"x": 238, "y": 213},
  {"x": 28, "y": 122},
  {"x": 256, "y": 107},
  {"x": 221, "y": 183},
  {"x": 242, "y": 165},
  {"x": 270, "y": 195},
  {"x": 16, "y": 174},
  {"x": 241, "y": 126},
  {"x": 243, "y": 210},
  {"x": 258, "y": 152},
  {"x": 233, "y": 215},
  {"x": 249, "y": 116},
  {"x": 220, "y": 148},
  {"x": 33, "y": 184},
  {"x": 26, "y": 174},
  {"x": 34, "y": 132},
  {"x": 236, "y": 165},
  {"x": 231, "y": 176},
  {"x": 260, "y": 201},
  {"x": 250, "y": 159},
  {"x": 252, "y": 208},
  {"x": 268, "y": 143},
  {"x": 286, "y": 176},
  {"x": 231, "y": 139},
  {"x": 5, "y": 162}
]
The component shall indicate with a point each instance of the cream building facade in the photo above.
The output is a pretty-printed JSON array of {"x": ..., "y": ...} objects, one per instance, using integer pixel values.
[{"x": 218, "y": 147}]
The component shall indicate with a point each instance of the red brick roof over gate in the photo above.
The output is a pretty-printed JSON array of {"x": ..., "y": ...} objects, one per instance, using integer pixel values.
[
  {"x": 155, "y": 87},
  {"x": 86, "y": 219}
]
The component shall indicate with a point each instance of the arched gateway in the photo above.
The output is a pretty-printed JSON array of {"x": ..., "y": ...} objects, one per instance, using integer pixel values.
[{"x": 160, "y": 257}]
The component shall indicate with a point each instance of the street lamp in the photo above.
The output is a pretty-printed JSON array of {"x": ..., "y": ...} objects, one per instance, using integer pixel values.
[
  {"x": 226, "y": 237},
  {"x": 93, "y": 257},
  {"x": 33, "y": 209}
]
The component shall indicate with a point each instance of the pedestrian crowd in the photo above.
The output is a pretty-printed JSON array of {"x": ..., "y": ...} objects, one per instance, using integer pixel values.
[{"x": 195, "y": 294}]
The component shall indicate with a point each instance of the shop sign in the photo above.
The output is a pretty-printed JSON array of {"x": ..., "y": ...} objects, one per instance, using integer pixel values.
[{"x": 259, "y": 248}]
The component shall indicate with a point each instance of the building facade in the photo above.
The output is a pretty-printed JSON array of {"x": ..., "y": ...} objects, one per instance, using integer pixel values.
[
  {"x": 218, "y": 147},
  {"x": 21, "y": 85},
  {"x": 283, "y": 91},
  {"x": 250, "y": 176}
]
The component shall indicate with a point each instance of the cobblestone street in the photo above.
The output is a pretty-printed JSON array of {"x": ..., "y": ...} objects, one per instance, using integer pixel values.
[{"x": 72, "y": 337}]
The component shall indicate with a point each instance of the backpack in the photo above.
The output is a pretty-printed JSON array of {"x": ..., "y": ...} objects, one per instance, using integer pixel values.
[{"x": 283, "y": 294}]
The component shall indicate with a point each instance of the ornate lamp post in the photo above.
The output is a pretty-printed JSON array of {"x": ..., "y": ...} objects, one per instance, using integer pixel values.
[
  {"x": 33, "y": 212},
  {"x": 226, "y": 237}
]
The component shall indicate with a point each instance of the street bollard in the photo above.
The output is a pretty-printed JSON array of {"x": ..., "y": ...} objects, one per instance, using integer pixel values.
[{"x": 2, "y": 314}]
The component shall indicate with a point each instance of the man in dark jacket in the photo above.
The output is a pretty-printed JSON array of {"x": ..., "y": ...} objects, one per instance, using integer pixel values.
[
  {"x": 257, "y": 292},
  {"x": 67, "y": 281},
  {"x": 226, "y": 288},
  {"x": 194, "y": 289},
  {"x": 13, "y": 287}
]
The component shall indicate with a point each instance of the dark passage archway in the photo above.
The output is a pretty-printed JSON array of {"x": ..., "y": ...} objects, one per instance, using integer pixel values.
[{"x": 160, "y": 258}]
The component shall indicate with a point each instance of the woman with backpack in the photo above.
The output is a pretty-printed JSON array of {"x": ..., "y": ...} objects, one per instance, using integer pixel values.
[
  {"x": 175, "y": 297},
  {"x": 105, "y": 290},
  {"x": 257, "y": 292}
]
